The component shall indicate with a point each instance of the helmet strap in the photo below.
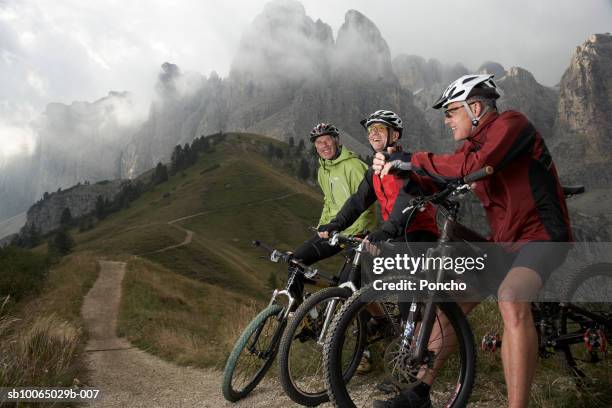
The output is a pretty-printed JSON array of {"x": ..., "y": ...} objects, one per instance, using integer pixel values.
[
  {"x": 475, "y": 120},
  {"x": 388, "y": 143},
  {"x": 338, "y": 150}
]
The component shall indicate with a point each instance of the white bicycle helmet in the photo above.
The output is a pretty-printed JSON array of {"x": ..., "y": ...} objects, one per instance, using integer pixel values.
[{"x": 466, "y": 87}]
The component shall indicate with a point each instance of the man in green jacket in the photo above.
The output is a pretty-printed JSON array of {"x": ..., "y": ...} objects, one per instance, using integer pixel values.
[{"x": 340, "y": 173}]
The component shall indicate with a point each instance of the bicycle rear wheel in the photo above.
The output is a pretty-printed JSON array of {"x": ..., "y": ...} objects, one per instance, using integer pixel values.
[
  {"x": 252, "y": 354},
  {"x": 586, "y": 290}
]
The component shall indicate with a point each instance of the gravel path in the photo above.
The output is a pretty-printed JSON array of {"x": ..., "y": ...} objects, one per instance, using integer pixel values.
[{"x": 129, "y": 377}]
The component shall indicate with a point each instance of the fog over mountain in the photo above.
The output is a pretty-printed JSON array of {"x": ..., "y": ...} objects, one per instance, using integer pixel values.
[{"x": 288, "y": 72}]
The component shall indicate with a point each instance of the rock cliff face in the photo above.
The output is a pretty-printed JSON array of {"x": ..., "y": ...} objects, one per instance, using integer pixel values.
[
  {"x": 583, "y": 136},
  {"x": 288, "y": 75},
  {"x": 417, "y": 74},
  {"x": 80, "y": 200},
  {"x": 173, "y": 119},
  {"x": 492, "y": 67},
  {"x": 77, "y": 142},
  {"x": 523, "y": 93}
]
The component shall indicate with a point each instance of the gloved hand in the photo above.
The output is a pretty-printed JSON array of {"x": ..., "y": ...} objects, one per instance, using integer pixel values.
[
  {"x": 384, "y": 163},
  {"x": 325, "y": 229},
  {"x": 379, "y": 236},
  {"x": 331, "y": 227}
]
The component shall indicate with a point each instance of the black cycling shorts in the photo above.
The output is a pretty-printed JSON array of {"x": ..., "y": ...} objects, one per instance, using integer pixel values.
[{"x": 542, "y": 257}]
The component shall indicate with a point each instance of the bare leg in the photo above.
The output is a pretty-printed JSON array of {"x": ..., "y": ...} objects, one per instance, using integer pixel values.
[
  {"x": 442, "y": 342},
  {"x": 520, "y": 341}
]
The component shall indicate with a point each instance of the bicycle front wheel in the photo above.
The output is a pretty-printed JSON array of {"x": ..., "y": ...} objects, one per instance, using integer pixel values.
[
  {"x": 449, "y": 360},
  {"x": 252, "y": 354},
  {"x": 301, "y": 348}
]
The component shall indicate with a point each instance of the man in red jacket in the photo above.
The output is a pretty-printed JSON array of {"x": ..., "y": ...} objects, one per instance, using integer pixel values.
[
  {"x": 384, "y": 131},
  {"x": 523, "y": 201}
]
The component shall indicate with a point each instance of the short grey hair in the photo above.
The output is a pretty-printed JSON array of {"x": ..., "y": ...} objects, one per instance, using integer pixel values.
[{"x": 487, "y": 102}]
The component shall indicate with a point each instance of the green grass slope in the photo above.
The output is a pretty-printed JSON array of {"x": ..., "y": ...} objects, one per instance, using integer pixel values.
[{"x": 231, "y": 196}]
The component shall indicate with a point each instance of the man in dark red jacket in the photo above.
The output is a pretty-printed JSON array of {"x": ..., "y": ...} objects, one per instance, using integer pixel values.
[{"x": 523, "y": 201}]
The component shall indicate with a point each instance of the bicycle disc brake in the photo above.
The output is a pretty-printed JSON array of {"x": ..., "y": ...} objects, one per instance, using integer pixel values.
[{"x": 399, "y": 364}]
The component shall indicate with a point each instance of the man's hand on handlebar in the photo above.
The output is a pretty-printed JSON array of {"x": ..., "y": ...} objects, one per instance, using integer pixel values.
[
  {"x": 325, "y": 229},
  {"x": 382, "y": 164}
]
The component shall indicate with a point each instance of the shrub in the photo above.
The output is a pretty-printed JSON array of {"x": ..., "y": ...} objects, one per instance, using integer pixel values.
[{"x": 21, "y": 272}]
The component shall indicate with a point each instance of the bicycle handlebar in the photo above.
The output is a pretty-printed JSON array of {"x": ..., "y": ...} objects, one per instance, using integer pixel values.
[
  {"x": 478, "y": 174},
  {"x": 276, "y": 255},
  {"x": 338, "y": 238},
  {"x": 451, "y": 190}
]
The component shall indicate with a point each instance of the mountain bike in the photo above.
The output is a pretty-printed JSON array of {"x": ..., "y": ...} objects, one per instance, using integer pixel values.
[
  {"x": 300, "y": 351},
  {"x": 411, "y": 354},
  {"x": 256, "y": 347}
]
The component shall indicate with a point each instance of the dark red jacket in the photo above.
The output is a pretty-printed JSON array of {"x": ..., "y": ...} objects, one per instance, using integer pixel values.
[
  {"x": 386, "y": 191},
  {"x": 523, "y": 199}
]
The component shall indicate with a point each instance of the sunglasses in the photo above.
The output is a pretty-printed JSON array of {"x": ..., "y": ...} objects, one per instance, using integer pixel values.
[
  {"x": 376, "y": 129},
  {"x": 448, "y": 113}
]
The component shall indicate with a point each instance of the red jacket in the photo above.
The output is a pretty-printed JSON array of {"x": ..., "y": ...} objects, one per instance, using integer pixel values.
[
  {"x": 388, "y": 188},
  {"x": 523, "y": 199},
  {"x": 386, "y": 192}
]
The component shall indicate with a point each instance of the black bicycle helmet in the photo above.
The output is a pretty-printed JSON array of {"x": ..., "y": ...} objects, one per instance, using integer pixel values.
[{"x": 323, "y": 129}]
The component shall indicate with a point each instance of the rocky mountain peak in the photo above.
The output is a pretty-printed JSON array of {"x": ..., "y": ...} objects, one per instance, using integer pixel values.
[
  {"x": 522, "y": 92},
  {"x": 282, "y": 44},
  {"x": 584, "y": 133},
  {"x": 520, "y": 74},
  {"x": 361, "y": 49},
  {"x": 491, "y": 67}
]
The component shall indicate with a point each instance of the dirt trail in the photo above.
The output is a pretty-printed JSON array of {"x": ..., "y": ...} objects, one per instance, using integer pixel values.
[{"x": 129, "y": 377}]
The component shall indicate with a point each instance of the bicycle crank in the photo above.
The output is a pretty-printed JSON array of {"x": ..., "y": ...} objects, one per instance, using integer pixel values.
[
  {"x": 490, "y": 342},
  {"x": 595, "y": 341}
]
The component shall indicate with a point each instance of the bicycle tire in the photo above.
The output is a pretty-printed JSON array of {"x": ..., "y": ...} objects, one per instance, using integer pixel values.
[
  {"x": 603, "y": 270},
  {"x": 288, "y": 382},
  {"x": 337, "y": 387},
  {"x": 229, "y": 392}
]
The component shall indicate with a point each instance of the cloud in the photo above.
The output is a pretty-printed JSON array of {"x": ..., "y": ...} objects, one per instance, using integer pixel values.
[
  {"x": 69, "y": 50},
  {"x": 15, "y": 140}
]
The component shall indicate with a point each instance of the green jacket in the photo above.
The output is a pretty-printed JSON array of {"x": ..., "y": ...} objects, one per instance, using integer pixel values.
[{"x": 339, "y": 179}]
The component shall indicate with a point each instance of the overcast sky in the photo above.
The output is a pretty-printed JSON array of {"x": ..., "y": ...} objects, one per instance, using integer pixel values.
[{"x": 66, "y": 50}]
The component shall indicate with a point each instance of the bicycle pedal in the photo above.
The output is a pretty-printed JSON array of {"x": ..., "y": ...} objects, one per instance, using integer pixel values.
[
  {"x": 490, "y": 342},
  {"x": 595, "y": 341}
]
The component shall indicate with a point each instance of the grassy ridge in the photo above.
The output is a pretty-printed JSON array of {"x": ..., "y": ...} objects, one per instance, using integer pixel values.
[{"x": 177, "y": 302}]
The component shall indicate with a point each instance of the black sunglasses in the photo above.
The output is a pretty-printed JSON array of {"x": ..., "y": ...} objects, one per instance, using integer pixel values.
[{"x": 448, "y": 112}]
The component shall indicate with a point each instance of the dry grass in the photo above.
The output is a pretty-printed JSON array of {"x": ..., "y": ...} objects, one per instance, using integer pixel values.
[
  {"x": 229, "y": 333},
  {"x": 178, "y": 318},
  {"x": 42, "y": 338},
  {"x": 44, "y": 354}
]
